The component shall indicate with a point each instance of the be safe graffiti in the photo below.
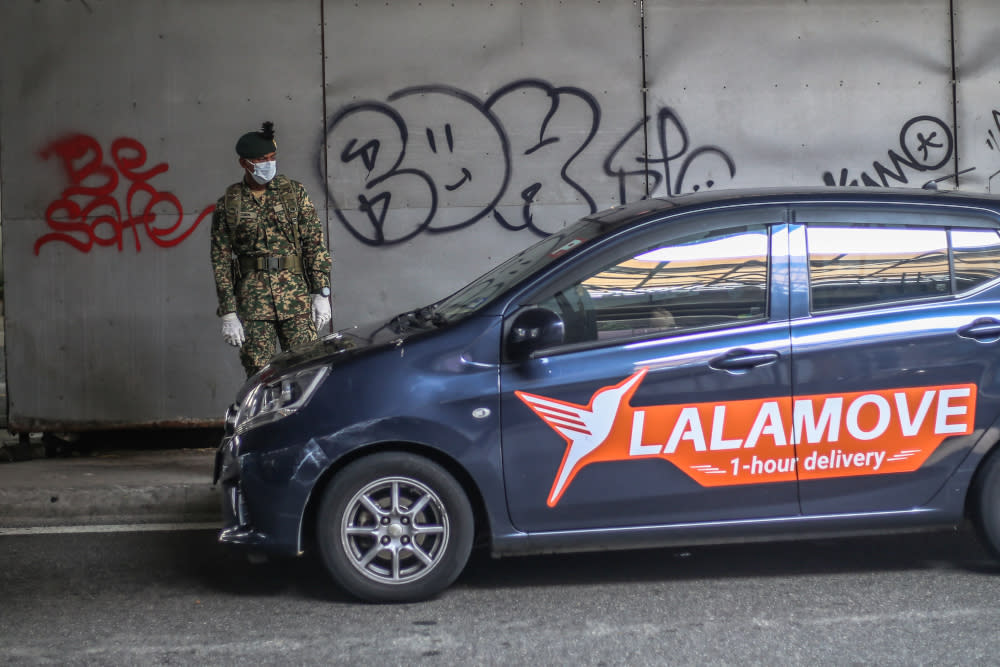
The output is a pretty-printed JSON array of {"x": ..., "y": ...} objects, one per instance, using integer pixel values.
[{"x": 90, "y": 211}]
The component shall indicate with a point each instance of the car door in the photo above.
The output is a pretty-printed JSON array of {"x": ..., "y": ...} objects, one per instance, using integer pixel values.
[
  {"x": 896, "y": 340},
  {"x": 676, "y": 356}
]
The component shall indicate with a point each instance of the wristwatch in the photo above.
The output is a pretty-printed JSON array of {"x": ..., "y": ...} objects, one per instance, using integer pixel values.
[{"x": 325, "y": 291}]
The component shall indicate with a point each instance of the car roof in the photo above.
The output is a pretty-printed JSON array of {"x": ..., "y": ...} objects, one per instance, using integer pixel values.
[{"x": 798, "y": 195}]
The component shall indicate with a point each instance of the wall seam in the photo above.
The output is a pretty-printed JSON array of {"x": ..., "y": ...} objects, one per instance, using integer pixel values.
[
  {"x": 324, "y": 172},
  {"x": 954, "y": 89},
  {"x": 645, "y": 94}
]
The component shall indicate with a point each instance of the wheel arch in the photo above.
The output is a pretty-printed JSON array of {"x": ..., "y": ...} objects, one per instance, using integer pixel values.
[
  {"x": 973, "y": 490},
  {"x": 307, "y": 525}
]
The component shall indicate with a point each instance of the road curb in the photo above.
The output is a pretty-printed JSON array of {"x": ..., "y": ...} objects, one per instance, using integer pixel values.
[
  {"x": 114, "y": 487},
  {"x": 190, "y": 503}
]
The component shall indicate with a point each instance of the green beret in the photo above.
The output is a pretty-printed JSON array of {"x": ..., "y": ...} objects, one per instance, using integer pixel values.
[{"x": 253, "y": 145}]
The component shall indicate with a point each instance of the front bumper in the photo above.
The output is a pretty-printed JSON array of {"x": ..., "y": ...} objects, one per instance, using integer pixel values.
[
  {"x": 236, "y": 526},
  {"x": 264, "y": 491}
]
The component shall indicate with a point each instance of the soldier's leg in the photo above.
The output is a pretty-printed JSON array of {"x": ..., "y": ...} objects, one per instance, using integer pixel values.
[
  {"x": 296, "y": 330},
  {"x": 258, "y": 348}
]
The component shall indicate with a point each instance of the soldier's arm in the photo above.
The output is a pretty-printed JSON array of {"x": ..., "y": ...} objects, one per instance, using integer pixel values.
[
  {"x": 316, "y": 260},
  {"x": 222, "y": 261}
]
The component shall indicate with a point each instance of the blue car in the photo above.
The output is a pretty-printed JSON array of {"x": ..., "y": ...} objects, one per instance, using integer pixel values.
[{"x": 724, "y": 365}]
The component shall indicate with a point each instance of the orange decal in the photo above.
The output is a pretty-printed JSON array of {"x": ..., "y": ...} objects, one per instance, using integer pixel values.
[{"x": 760, "y": 440}]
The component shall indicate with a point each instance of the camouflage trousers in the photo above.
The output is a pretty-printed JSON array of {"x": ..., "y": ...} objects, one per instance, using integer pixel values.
[{"x": 261, "y": 335}]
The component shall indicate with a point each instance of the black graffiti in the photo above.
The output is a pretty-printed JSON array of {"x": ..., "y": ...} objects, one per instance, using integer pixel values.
[
  {"x": 991, "y": 137},
  {"x": 435, "y": 159},
  {"x": 658, "y": 170},
  {"x": 993, "y": 145},
  {"x": 536, "y": 147},
  {"x": 926, "y": 144}
]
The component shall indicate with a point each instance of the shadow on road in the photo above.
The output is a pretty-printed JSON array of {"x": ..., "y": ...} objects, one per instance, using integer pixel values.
[
  {"x": 306, "y": 577},
  {"x": 918, "y": 551}
]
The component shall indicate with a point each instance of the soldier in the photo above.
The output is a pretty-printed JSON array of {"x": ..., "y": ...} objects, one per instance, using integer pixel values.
[{"x": 272, "y": 268}]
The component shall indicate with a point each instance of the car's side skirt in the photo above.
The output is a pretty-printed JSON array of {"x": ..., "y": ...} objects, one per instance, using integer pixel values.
[{"x": 722, "y": 532}]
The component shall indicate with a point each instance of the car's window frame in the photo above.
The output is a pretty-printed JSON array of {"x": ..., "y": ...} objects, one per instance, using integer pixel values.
[{"x": 929, "y": 216}]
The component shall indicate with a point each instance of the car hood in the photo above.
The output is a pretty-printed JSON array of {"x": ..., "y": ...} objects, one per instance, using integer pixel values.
[{"x": 340, "y": 346}]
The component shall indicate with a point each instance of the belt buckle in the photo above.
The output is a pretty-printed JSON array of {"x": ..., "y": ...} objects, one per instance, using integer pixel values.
[{"x": 273, "y": 263}]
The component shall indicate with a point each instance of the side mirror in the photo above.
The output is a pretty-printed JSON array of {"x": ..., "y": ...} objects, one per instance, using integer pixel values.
[{"x": 534, "y": 329}]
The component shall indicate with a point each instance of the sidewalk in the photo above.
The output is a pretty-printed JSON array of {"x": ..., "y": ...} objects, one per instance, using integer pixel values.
[{"x": 109, "y": 486}]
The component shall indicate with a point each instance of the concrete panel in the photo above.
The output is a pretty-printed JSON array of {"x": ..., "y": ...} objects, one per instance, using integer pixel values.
[
  {"x": 453, "y": 145},
  {"x": 113, "y": 108},
  {"x": 825, "y": 91},
  {"x": 978, "y": 104}
]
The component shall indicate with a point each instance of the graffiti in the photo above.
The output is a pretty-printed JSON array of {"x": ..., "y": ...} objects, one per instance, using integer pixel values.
[
  {"x": 991, "y": 137},
  {"x": 925, "y": 145},
  {"x": 700, "y": 167},
  {"x": 87, "y": 212},
  {"x": 993, "y": 145},
  {"x": 434, "y": 159}
]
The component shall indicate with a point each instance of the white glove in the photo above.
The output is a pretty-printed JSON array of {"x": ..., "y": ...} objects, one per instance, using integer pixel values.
[
  {"x": 321, "y": 311},
  {"x": 232, "y": 330}
]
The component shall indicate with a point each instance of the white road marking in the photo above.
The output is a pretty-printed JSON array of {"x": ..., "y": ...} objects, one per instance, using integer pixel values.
[{"x": 107, "y": 528}]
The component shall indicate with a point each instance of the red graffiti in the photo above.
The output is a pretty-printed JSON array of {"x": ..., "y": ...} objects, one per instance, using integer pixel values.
[{"x": 87, "y": 211}]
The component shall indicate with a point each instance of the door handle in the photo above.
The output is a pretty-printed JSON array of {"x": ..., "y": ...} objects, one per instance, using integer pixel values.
[
  {"x": 742, "y": 359},
  {"x": 985, "y": 329}
]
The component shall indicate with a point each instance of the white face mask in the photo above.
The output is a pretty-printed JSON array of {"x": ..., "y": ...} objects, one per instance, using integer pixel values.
[{"x": 263, "y": 172}]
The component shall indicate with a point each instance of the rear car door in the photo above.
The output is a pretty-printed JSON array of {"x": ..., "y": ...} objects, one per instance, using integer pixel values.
[
  {"x": 896, "y": 341},
  {"x": 675, "y": 338}
]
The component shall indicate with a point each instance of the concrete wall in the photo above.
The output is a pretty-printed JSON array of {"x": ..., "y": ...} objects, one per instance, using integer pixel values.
[{"x": 436, "y": 137}]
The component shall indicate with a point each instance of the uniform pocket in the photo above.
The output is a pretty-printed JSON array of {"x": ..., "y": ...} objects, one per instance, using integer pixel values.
[{"x": 247, "y": 230}]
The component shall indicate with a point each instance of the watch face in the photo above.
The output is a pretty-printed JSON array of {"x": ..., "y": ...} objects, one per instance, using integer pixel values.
[{"x": 325, "y": 291}]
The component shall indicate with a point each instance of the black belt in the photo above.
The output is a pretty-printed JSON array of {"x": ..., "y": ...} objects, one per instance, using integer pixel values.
[{"x": 271, "y": 263}]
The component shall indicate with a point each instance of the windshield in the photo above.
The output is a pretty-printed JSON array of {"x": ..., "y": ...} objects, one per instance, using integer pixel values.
[{"x": 516, "y": 269}]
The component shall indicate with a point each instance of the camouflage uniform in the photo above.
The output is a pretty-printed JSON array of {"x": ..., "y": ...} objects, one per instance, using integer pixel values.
[{"x": 270, "y": 302}]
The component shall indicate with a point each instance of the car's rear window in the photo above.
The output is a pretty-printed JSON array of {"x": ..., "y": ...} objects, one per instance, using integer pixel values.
[
  {"x": 862, "y": 265},
  {"x": 976, "y": 257}
]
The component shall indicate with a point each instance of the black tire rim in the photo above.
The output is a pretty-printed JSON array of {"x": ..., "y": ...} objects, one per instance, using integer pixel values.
[{"x": 395, "y": 530}]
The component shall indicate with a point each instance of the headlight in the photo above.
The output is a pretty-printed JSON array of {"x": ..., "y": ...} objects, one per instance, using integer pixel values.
[{"x": 279, "y": 398}]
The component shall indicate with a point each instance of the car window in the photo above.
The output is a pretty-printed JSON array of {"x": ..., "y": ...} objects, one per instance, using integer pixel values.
[
  {"x": 703, "y": 280},
  {"x": 863, "y": 265},
  {"x": 976, "y": 257},
  {"x": 858, "y": 265}
]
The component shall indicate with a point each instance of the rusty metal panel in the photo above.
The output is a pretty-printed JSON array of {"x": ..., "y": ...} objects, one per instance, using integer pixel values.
[{"x": 118, "y": 131}]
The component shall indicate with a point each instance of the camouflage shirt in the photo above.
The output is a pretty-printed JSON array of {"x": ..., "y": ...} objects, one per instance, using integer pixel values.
[{"x": 283, "y": 222}]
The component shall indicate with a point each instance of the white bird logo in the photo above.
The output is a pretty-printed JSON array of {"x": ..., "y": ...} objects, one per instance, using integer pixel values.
[{"x": 585, "y": 428}]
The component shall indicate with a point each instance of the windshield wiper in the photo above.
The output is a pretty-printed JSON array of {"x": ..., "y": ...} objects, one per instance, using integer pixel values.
[
  {"x": 402, "y": 322},
  {"x": 419, "y": 318},
  {"x": 429, "y": 314}
]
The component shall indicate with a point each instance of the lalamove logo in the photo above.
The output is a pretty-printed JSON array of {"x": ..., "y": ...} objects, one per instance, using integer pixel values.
[{"x": 776, "y": 439}]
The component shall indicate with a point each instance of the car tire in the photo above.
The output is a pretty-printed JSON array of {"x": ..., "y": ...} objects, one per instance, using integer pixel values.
[
  {"x": 395, "y": 527},
  {"x": 987, "y": 504}
]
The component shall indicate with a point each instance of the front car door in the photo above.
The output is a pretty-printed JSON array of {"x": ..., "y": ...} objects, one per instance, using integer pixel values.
[{"x": 664, "y": 404}]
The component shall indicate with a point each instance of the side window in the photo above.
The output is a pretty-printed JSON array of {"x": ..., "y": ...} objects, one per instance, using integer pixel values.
[
  {"x": 975, "y": 256},
  {"x": 860, "y": 265},
  {"x": 704, "y": 280}
]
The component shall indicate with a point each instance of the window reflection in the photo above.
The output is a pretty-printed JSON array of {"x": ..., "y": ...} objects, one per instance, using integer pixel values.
[
  {"x": 860, "y": 265},
  {"x": 695, "y": 282},
  {"x": 976, "y": 257}
]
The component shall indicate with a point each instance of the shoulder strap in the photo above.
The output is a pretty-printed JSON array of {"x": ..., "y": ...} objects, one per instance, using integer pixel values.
[
  {"x": 233, "y": 203},
  {"x": 286, "y": 191}
]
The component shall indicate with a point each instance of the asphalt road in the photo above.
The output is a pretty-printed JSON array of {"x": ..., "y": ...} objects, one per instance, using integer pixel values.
[{"x": 178, "y": 598}]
